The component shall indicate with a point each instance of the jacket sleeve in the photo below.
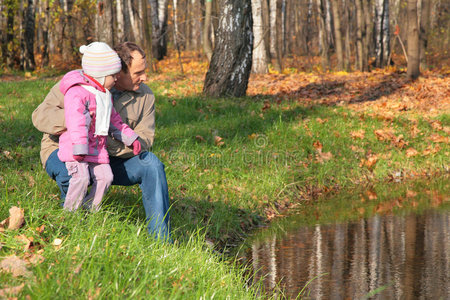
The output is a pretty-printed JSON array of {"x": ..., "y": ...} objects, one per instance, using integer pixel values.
[
  {"x": 78, "y": 120},
  {"x": 121, "y": 131},
  {"x": 140, "y": 116},
  {"x": 145, "y": 128},
  {"x": 48, "y": 117}
]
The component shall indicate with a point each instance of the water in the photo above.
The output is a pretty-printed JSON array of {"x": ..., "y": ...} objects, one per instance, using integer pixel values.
[{"x": 381, "y": 257}]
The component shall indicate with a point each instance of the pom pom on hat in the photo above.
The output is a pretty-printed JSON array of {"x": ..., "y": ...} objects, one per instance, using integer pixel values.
[{"x": 99, "y": 60}]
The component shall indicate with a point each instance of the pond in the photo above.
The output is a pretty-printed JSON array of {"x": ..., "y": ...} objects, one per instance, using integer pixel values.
[{"x": 393, "y": 254}]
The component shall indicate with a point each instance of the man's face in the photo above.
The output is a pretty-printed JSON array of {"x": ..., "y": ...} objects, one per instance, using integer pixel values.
[{"x": 131, "y": 80}]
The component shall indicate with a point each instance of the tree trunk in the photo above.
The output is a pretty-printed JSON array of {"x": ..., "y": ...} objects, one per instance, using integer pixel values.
[
  {"x": 328, "y": 23},
  {"x": 259, "y": 60},
  {"x": 278, "y": 37},
  {"x": 382, "y": 47},
  {"x": 104, "y": 22},
  {"x": 413, "y": 70},
  {"x": 424, "y": 28},
  {"x": 196, "y": 24},
  {"x": 207, "y": 47},
  {"x": 368, "y": 36},
  {"x": 273, "y": 27},
  {"x": 347, "y": 46},
  {"x": 11, "y": 9},
  {"x": 159, "y": 28},
  {"x": 120, "y": 32},
  {"x": 45, "y": 37},
  {"x": 28, "y": 63},
  {"x": 147, "y": 27},
  {"x": 266, "y": 27},
  {"x": 323, "y": 42},
  {"x": 360, "y": 30},
  {"x": 386, "y": 34},
  {"x": 338, "y": 34},
  {"x": 130, "y": 22},
  {"x": 232, "y": 57}
]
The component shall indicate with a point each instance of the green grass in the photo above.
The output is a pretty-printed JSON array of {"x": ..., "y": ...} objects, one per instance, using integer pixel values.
[{"x": 218, "y": 192}]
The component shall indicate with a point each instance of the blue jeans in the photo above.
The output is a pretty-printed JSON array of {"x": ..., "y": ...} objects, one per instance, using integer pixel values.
[{"x": 146, "y": 170}]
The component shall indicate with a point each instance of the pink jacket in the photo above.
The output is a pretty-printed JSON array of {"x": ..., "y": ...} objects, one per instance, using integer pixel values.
[{"x": 79, "y": 108}]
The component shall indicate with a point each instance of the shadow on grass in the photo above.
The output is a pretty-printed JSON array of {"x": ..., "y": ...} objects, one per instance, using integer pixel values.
[
  {"x": 225, "y": 225},
  {"x": 366, "y": 92}
]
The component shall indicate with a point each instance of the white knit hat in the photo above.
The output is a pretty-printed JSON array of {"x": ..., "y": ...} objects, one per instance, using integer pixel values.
[{"x": 99, "y": 60}]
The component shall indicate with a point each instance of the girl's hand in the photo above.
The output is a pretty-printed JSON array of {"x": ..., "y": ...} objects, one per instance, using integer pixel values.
[{"x": 136, "y": 147}]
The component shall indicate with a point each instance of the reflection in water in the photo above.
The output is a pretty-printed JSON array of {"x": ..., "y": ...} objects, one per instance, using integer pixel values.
[{"x": 393, "y": 257}]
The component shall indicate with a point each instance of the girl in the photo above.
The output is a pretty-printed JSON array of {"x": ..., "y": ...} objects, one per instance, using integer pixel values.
[{"x": 90, "y": 117}]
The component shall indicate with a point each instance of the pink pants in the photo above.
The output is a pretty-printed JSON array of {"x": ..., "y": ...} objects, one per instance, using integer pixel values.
[{"x": 81, "y": 172}]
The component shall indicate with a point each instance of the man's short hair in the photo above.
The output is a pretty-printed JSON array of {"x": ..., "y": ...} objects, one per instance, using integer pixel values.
[{"x": 124, "y": 51}]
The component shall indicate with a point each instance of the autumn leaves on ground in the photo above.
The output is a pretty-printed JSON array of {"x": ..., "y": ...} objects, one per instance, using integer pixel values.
[{"x": 231, "y": 164}]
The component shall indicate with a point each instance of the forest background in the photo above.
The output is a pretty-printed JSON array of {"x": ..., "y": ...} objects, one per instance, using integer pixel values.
[{"x": 345, "y": 35}]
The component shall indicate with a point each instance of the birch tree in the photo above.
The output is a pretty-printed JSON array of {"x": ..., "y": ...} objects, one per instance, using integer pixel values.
[
  {"x": 259, "y": 59},
  {"x": 159, "y": 13},
  {"x": 382, "y": 35},
  {"x": 232, "y": 56},
  {"x": 120, "y": 21},
  {"x": 207, "y": 47}
]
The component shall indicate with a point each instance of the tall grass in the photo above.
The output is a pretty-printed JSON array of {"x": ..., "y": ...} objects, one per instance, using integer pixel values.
[{"x": 229, "y": 162}]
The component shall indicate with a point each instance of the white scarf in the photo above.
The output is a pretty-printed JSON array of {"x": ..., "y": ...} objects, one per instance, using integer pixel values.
[{"x": 103, "y": 111}]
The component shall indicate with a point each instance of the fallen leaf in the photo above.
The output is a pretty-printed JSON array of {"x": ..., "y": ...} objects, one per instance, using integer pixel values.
[
  {"x": 372, "y": 195},
  {"x": 218, "y": 141},
  {"x": 359, "y": 134},
  {"x": 11, "y": 291},
  {"x": 36, "y": 259},
  {"x": 15, "y": 218},
  {"x": 410, "y": 194},
  {"x": 25, "y": 240},
  {"x": 253, "y": 136},
  {"x": 266, "y": 105},
  {"x": 439, "y": 138},
  {"x": 318, "y": 146},
  {"x": 40, "y": 229},
  {"x": 321, "y": 121},
  {"x": 322, "y": 157},
  {"x": 431, "y": 150},
  {"x": 437, "y": 125},
  {"x": 384, "y": 134},
  {"x": 15, "y": 265},
  {"x": 369, "y": 162},
  {"x": 410, "y": 152},
  {"x": 199, "y": 138},
  {"x": 78, "y": 268}
]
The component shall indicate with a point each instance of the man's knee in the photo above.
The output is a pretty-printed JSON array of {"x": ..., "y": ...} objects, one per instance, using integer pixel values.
[{"x": 151, "y": 163}]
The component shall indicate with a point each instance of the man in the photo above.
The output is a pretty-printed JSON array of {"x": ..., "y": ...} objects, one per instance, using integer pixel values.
[{"x": 135, "y": 103}]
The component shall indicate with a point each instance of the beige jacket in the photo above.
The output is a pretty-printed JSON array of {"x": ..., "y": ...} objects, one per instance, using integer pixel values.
[{"x": 137, "y": 109}]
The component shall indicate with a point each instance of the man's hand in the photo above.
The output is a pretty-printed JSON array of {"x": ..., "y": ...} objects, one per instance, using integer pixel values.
[
  {"x": 136, "y": 147},
  {"x": 78, "y": 157}
]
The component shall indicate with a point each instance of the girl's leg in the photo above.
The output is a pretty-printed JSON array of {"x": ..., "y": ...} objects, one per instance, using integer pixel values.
[
  {"x": 78, "y": 184},
  {"x": 102, "y": 177}
]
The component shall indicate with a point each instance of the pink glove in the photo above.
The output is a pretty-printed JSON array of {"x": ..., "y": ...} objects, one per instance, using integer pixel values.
[
  {"x": 136, "y": 147},
  {"x": 78, "y": 157}
]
